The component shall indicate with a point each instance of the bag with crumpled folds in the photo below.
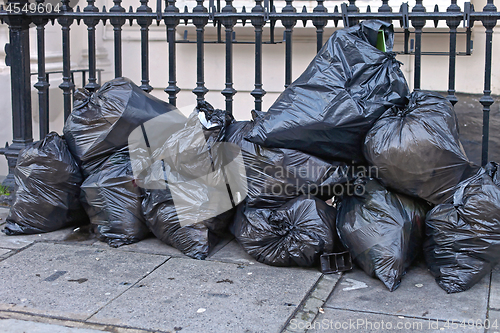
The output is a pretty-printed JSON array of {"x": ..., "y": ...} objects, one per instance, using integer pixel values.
[
  {"x": 383, "y": 230},
  {"x": 190, "y": 193},
  {"x": 329, "y": 109},
  {"x": 277, "y": 175},
  {"x": 113, "y": 201},
  {"x": 463, "y": 235},
  {"x": 47, "y": 189},
  {"x": 417, "y": 149},
  {"x": 101, "y": 122},
  {"x": 295, "y": 234}
]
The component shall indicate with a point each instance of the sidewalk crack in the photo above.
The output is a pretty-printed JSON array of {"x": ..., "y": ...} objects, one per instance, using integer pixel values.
[{"x": 123, "y": 292}]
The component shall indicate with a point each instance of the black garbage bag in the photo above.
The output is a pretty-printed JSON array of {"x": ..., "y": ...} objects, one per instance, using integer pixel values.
[
  {"x": 463, "y": 236},
  {"x": 101, "y": 122},
  {"x": 276, "y": 175},
  {"x": 383, "y": 230},
  {"x": 47, "y": 189},
  {"x": 493, "y": 170},
  {"x": 295, "y": 234},
  {"x": 195, "y": 240},
  {"x": 113, "y": 202},
  {"x": 329, "y": 109},
  {"x": 417, "y": 149},
  {"x": 197, "y": 195}
]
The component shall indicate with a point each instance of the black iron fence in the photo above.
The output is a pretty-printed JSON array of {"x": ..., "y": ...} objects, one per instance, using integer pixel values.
[{"x": 19, "y": 14}]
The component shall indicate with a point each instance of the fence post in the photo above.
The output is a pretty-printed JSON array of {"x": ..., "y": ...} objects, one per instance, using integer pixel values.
[
  {"x": 18, "y": 58},
  {"x": 486, "y": 101}
]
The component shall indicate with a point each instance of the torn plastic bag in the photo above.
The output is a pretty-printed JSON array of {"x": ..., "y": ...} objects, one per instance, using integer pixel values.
[
  {"x": 47, "y": 189},
  {"x": 101, "y": 122},
  {"x": 463, "y": 236},
  {"x": 329, "y": 109},
  {"x": 193, "y": 184},
  {"x": 383, "y": 230},
  {"x": 295, "y": 234},
  {"x": 275, "y": 175},
  {"x": 417, "y": 149},
  {"x": 113, "y": 201}
]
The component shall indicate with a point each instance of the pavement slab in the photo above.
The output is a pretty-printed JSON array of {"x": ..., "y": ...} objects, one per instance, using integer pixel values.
[
  {"x": 495, "y": 289},
  {"x": 209, "y": 296},
  {"x": 150, "y": 245},
  {"x": 20, "y": 241},
  {"x": 418, "y": 296},
  {"x": 333, "y": 320},
  {"x": 234, "y": 253},
  {"x": 153, "y": 245},
  {"x": 69, "y": 281},
  {"x": 23, "y": 326},
  {"x": 313, "y": 304},
  {"x": 4, "y": 212},
  {"x": 493, "y": 323}
]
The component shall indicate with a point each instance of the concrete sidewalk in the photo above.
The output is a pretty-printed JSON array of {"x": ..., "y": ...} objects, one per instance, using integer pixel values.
[{"x": 65, "y": 282}]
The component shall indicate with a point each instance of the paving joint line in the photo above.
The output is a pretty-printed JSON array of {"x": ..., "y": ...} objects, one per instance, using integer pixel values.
[
  {"x": 57, "y": 320},
  {"x": 132, "y": 286},
  {"x": 322, "y": 280},
  {"x": 14, "y": 251},
  {"x": 396, "y": 315},
  {"x": 301, "y": 305},
  {"x": 488, "y": 302}
]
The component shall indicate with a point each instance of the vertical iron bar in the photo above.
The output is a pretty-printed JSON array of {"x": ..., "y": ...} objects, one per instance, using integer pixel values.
[
  {"x": 47, "y": 79},
  {"x": 272, "y": 22},
  {"x": 18, "y": 57},
  {"x": 145, "y": 23},
  {"x": 117, "y": 24},
  {"x": 258, "y": 23},
  {"x": 229, "y": 23},
  {"x": 352, "y": 8},
  {"x": 43, "y": 84},
  {"x": 418, "y": 24},
  {"x": 452, "y": 24},
  {"x": 489, "y": 23},
  {"x": 385, "y": 8},
  {"x": 67, "y": 85},
  {"x": 219, "y": 24},
  {"x": 91, "y": 23},
  {"x": 200, "y": 24},
  {"x": 319, "y": 24},
  {"x": 171, "y": 23},
  {"x": 288, "y": 24}
]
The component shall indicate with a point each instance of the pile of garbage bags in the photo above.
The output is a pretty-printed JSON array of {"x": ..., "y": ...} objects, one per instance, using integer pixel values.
[{"x": 346, "y": 159}]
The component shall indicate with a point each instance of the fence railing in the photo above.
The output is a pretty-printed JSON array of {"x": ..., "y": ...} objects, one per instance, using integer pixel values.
[{"x": 19, "y": 14}]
